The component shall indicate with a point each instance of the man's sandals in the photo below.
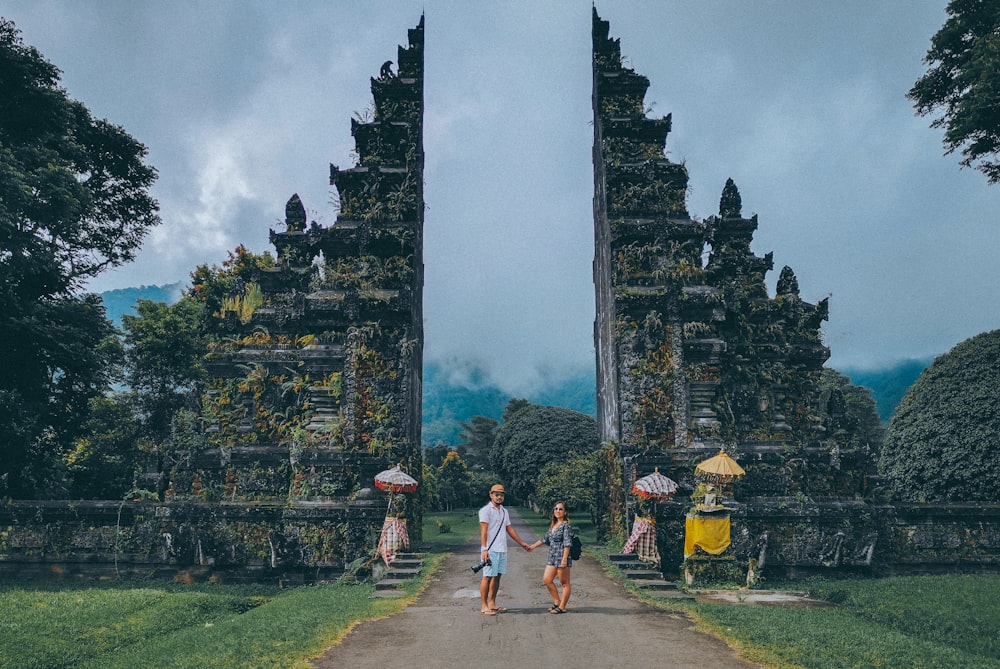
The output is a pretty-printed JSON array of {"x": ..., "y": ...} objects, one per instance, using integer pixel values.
[
  {"x": 555, "y": 609},
  {"x": 494, "y": 611}
]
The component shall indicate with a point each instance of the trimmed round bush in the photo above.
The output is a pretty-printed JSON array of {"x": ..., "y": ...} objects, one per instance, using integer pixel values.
[{"x": 943, "y": 443}]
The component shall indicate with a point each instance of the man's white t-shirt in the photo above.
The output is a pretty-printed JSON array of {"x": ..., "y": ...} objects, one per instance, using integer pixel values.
[{"x": 496, "y": 519}]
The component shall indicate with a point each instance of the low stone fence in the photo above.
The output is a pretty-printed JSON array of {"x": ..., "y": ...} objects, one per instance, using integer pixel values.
[
  {"x": 785, "y": 537},
  {"x": 297, "y": 542}
]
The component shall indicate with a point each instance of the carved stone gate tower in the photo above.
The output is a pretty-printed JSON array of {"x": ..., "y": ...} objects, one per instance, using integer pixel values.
[{"x": 692, "y": 353}]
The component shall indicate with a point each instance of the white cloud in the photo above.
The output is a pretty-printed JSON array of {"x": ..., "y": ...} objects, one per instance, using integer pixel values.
[{"x": 243, "y": 105}]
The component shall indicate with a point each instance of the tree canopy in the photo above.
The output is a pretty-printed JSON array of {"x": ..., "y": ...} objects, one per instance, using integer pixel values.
[
  {"x": 74, "y": 201},
  {"x": 165, "y": 347},
  {"x": 943, "y": 443},
  {"x": 477, "y": 439},
  {"x": 536, "y": 435},
  {"x": 963, "y": 83}
]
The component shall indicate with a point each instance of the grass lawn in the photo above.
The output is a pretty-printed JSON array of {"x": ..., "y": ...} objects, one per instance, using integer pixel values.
[
  {"x": 899, "y": 622},
  {"x": 146, "y": 624},
  {"x": 462, "y": 524},
  {"x": 902, "y": 622}
]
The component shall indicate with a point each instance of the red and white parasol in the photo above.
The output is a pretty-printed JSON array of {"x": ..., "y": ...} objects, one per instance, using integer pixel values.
[
  {"x": 654, "y": 486},
  {"x": 394, "y": 536},
  {"x": 395, "y": 480}
]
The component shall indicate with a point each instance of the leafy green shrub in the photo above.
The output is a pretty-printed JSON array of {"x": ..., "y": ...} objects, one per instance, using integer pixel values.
[
  {"x": 942, "y": 444},
  {"x": 536, "y": 435}
]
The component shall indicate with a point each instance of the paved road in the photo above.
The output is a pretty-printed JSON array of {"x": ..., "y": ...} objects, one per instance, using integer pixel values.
[{"x": 604, "y": 627}]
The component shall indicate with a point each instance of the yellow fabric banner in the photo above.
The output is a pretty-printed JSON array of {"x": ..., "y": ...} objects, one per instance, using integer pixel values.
[{"x": 709, "y": 534}]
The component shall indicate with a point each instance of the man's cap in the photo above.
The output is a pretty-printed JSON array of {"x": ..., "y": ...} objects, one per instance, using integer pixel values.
[{"x": 498, "y": 488}]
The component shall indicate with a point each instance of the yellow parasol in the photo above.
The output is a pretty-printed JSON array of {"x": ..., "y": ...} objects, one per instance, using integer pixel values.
[{"x": 720, "y": 468}]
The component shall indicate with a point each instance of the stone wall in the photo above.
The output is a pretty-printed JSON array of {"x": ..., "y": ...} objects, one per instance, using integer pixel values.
[
  {"x": 301, "y": 542},
  {"x": 786, "y": 537}
]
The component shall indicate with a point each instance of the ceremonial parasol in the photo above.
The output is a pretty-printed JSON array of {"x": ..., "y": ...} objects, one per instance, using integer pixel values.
[
  {"x": 720, "y": 468},
  {"x": 394, "y": 535},
  {"x": 654, "y": 486},
  {"x": 395, "y": 480}
]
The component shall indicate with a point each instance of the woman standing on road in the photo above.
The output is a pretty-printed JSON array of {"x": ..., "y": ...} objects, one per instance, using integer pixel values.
[{"x": 559, "y": 538}]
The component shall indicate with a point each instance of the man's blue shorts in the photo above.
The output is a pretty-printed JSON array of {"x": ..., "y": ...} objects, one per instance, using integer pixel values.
[{"x": 499, "y": 566}]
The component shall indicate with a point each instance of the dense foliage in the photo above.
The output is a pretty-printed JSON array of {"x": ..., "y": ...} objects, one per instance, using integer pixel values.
[
  {"x": 535, "y": 436},
  {"x": 74, "y": 201},
  {"x": 165, "y": 346},
  {"x": 574, "y": 482},
  {"x": 963, "y": 83},
  {"x": 944, "y": 441},
  {"x": 103, "y": 460},
  {"x": 477, "y": 438},
  {"x": 211, "y": 286},
  {"x": 858, "y": 420}
]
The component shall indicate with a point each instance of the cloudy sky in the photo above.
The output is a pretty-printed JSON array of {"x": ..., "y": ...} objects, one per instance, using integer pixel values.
[{"x": 802, "y": 103}]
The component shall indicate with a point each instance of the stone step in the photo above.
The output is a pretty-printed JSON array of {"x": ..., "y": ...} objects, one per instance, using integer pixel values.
[
  {"x": 405, "y": 567},
  {"x": 407, "y": 563},
  {"x": 642, "y": 574},
  {"x": 625, "y": 557},
  {"x": 656, "y": 585},
  {"x": 388, "y": 583},
  {"x": 635, "y": 564}
]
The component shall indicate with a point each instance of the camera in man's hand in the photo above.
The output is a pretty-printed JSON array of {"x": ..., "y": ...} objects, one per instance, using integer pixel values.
[{"x": 476, "y": 568}]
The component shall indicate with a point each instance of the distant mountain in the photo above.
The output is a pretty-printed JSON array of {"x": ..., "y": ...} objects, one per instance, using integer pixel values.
[
  {"x": 123, "y": 300},
  {"x": 446, "y": 402},
  {"x": 888, "y": 384}
]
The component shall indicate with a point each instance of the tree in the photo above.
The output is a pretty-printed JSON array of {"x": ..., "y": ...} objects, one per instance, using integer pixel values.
[
  {"x": 164, "y": 349},
  {"x": 104, "y": 460},
  {"x": 74, "y": 201},
  {"x": 943, "y": 443},
  {"x": 453, "y": 482},
  {"x": 477, "y": 439},
  {"x": 212, "y": 286},
  {"x": 514, "y": 405},
  {"x": 435, "y": 455},
  {"x": 536, "y": 435},
  {"x": 573, "y": 482},
  {"x": 963, "y": 82},
  {"x": 860, "y": 421}
]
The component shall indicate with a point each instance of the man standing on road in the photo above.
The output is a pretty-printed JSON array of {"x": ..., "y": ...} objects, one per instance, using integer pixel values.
[{"x": 494, "y": 526}]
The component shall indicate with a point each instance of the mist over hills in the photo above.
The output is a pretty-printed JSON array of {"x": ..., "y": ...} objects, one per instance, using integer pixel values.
[
  {"x": 448, "y": 400},
  {"x": 122, "y": 301},
  {"x": 888, "y": 384},
  {"x": 455, "y": 391}
]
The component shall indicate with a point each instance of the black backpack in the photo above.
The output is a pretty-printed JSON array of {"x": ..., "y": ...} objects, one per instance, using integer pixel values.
[{"x": 575, "y": 548}]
